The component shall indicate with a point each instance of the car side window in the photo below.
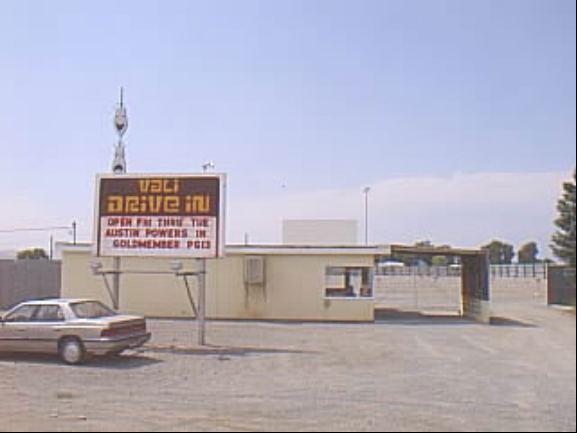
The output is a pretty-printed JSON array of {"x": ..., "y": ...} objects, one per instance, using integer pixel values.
[
  {"x": 22, "y": 314},
  {"x": 49, "y": 313}
]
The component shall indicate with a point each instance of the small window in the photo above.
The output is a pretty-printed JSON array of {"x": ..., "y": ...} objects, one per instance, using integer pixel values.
[
  {"x": 349, "y": 282},
  {"x": 22, "y": 314},
  {"x": 49, "y": 313}
]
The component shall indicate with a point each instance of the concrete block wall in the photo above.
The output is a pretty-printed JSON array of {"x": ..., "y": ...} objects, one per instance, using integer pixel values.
[{"x": 22, "y": 280}]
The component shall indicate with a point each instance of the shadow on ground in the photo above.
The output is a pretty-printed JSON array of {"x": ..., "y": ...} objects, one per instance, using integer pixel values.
[
  {"x": 221, "y": 352},
  {"x": 394, "y": 316},
  {"x": 121, "y": 362},
  {"x": 505, "y": 322},
  {"x": 418, "y": 318}
]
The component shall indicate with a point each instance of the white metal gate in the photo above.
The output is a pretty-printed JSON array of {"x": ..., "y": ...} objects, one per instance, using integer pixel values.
[{"x": 418, "y": 292}]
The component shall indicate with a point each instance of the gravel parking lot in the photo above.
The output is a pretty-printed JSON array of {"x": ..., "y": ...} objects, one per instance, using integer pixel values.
[{"x": 427, "y": 373}]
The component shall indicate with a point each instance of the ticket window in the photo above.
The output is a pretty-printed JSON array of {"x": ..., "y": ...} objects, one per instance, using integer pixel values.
[{"x": 349, "y": 282}]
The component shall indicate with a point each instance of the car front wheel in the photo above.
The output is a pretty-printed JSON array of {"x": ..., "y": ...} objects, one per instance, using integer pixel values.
[{"x": 72, "y": 351}]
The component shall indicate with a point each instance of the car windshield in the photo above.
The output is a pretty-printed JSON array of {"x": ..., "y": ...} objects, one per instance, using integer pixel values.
[{"x": 91, "y": 310}]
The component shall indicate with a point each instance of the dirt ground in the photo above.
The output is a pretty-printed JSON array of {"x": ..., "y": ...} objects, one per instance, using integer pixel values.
[{"x": 413, "y": 373}]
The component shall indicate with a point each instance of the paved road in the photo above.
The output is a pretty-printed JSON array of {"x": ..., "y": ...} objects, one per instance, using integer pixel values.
[{"x": 431, "y": 374}]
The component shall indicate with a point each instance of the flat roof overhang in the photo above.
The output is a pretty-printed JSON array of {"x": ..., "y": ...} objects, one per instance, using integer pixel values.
[
  {"x": 375, "y": 250},
  {"x": 433, "y": 251},
  {"x": 279, "y": 249}
]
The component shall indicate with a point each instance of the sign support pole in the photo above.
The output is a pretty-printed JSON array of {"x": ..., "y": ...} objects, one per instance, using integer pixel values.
[
  {"x": 202, "y": 303},
  {"x": 116, "y": 283}
]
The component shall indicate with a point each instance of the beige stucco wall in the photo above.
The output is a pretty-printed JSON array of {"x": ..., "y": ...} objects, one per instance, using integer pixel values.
[{"x": 294, "y": 288}]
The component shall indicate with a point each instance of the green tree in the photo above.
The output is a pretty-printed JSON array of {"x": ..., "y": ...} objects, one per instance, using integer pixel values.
[
  {"x": 436, "y": 260},
  {"x": 32, "y": 254},
  {"x": 563, "y": 241},
  {"x": 414, "y": 259},
  {"x": 500, "y": 253},
  {"x": 528, "y": 253},
  {"x": 440, "y": 261}
]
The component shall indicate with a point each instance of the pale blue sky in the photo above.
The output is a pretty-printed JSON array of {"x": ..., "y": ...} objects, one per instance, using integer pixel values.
[{"x": 315, "y": 95}]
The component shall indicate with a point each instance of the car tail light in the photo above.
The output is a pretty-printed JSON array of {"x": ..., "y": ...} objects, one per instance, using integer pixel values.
[
  {"x": 108, "y": 333},
  {"x": 124, "y": 330}
]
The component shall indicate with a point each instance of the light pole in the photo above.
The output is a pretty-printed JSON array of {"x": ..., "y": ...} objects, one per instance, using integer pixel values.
[
  {"x": 201, "y": 279},
  {"x": 366, "y": 192},
  {"x": 74, "y": 227}
]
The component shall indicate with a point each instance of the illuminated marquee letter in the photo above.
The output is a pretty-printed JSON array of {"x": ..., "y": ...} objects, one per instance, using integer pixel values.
[
  {"x": 171, "y": 186},
  {"x": 198, "y": 204},
  {"x": 115, "y": 204},
  {"x": 144, "y": 185},
  {"x": 154, "y": 204},
  {"x": 132, "y": 204},
  {"x": 156, "y": 186},
  {"x": 172, "y": 204}
]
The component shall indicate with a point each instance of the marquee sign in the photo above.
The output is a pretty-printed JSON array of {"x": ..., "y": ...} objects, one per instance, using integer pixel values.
[{"x": 160, "y": 215}]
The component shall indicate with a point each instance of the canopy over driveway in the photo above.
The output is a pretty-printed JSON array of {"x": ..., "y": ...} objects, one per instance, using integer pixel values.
[{"x": 475, "y": 281}]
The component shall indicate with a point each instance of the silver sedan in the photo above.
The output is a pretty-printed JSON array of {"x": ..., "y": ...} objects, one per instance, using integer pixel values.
[{"x": 72, "y": 329}]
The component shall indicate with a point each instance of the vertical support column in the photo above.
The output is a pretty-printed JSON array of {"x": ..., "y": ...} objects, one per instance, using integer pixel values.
[
  {"x": 485, "y": 278},
  {"x": 476, "y": 288},
  {"x": 116, "y": 283},
  {"x": 202, "y": 303},
  {"x": 118, "y": 167}
]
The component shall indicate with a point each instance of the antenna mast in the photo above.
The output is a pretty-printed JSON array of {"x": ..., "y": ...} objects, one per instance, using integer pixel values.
[{"x": 120, "y": 125}]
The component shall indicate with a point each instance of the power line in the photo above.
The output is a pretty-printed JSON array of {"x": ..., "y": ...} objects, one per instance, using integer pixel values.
[{"x": 36, "y": 229}]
